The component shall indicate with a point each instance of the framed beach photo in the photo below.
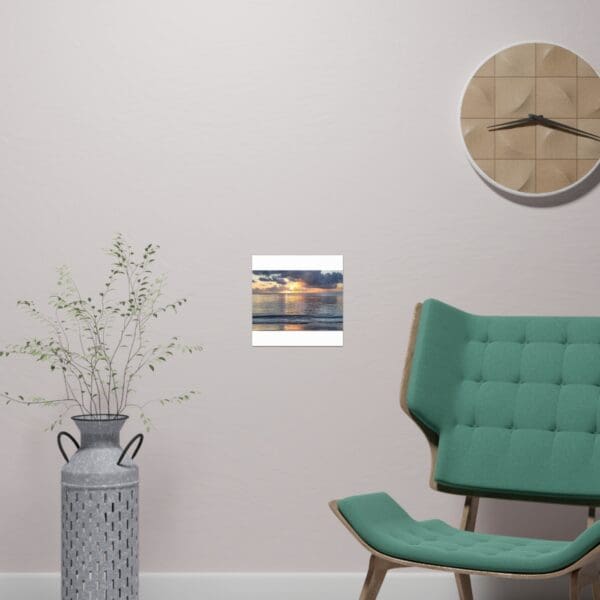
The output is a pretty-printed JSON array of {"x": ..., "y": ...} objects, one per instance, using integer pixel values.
[{"x": 297, "y": 300}]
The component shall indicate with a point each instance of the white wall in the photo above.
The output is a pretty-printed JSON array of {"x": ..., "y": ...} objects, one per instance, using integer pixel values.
[{"x": 220, "y": 129}]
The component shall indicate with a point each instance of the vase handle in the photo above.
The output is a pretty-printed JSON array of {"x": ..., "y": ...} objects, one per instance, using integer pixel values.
[
  {"x": 140, "y": 439},
  {"x": 60, "y": 446}
]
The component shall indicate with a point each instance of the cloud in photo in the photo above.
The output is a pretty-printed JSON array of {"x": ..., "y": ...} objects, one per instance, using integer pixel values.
[{"x": 296, "y": 281}]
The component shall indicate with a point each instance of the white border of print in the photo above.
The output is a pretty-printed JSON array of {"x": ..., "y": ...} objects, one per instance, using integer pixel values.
[
  {"x": 297, "y": 338},
  {"x": 305, "y": 262},
  {"x": 299, "y": 262}
]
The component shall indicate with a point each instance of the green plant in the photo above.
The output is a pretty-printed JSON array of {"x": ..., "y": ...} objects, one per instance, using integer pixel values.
[{"x": 101, "y": 346}]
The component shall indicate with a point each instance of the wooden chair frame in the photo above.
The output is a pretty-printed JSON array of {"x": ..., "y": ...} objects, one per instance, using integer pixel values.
[{"x": 583, "y": 573}]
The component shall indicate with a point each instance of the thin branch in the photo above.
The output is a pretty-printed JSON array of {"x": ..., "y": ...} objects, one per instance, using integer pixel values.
[
  {"x": 36, "y": 401},
  {"x": 98, "y": 375}
]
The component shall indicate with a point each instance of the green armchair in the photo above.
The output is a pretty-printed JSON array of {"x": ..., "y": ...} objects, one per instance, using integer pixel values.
[{"x": 510, "y": 407}]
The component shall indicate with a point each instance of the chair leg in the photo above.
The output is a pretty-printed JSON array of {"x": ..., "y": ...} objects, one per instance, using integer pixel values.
[
  {"x": 374, "y": 579},
  {"x": 463, "y": 583},
  {"x": 574, "y": 585}
]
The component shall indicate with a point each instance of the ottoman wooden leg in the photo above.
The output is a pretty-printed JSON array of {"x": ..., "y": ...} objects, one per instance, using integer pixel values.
[
  {"x": 374, "y": 579},
  {"x": 463, "y": 583}
]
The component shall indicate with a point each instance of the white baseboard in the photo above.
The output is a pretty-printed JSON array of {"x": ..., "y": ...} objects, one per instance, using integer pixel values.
[
  {"x": 398, "y": 585},
  {"x": 247, "y": 586}
]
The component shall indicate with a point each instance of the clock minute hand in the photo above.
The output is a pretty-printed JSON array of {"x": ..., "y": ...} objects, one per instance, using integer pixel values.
[
  {"x": 541, "y": 120},
  {"x": 566, "y": 128}
]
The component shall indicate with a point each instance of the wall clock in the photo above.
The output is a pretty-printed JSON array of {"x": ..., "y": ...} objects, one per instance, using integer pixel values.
[{"x": 530, "y": 119}]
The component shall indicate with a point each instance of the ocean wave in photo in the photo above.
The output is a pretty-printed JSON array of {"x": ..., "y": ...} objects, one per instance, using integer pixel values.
[{"x": 297, "y": 312}]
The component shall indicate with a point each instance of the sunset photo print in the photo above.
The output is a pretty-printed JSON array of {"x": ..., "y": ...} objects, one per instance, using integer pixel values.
[{"x": 297, "y": 300}]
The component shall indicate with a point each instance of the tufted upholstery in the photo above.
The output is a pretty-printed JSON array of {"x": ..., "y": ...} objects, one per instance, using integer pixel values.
[
  {"x": 383, "y": 525},
  {"x": 513, "y": 406},
  {"x": 514, "y": 401}
]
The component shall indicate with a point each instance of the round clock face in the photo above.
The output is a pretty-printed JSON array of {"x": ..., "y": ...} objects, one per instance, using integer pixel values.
[{"x": 530, "y": 119}]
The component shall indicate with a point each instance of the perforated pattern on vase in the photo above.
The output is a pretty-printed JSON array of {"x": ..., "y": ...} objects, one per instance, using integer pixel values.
[{"x": 100, "y": 544}]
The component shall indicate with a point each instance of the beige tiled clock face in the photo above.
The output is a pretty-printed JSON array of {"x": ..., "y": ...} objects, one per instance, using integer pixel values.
[{"x": 541, "y": 79}]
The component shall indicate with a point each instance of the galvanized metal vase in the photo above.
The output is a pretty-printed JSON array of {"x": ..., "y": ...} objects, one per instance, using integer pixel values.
[{"x": 100, "y": 513}]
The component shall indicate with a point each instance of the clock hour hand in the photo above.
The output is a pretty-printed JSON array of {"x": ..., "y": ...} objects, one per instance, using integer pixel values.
[
  {"x": 567, "y": 128},
  {"x": 509, "y": 124},
  {"x": 541, "y": 120}
]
